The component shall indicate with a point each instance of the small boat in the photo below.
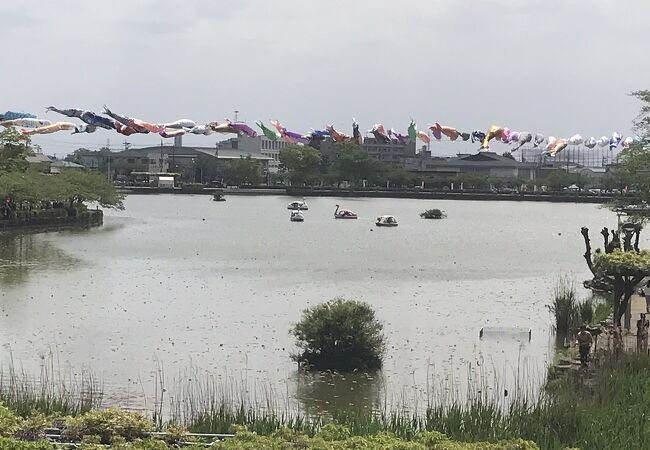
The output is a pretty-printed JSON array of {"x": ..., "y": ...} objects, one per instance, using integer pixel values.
[
  {"x": 296, "y": 216},
  {"x": 218, "y": 198},
  {"x": 386, "y": 221},
  {"x": 298, "y": 205},
  {"x": 344, "y": 214}
]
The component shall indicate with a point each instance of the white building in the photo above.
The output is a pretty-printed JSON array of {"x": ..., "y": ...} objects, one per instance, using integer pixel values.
[{"x": 258, "y": 145}]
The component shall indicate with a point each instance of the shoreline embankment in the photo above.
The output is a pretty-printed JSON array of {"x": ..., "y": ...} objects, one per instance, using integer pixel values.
[
  {"x": 88, "y": 218},
  {"x": 571, "y": 197}
]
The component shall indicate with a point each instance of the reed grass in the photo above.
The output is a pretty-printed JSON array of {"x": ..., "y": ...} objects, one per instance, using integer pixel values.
[
  {"x": 570, "y": 313},
  {"x": 53, "y": 391},
  {"x": 606, "y": 409},
  {"x": 605, "y": 412},
  {"x": 565, "y": 306}
]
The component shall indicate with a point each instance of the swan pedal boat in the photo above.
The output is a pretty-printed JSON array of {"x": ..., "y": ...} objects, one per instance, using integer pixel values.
[
  {"x": 386, "y": 221},
  {"x": 344, "y": 213},
  {"x": 298, "y": 205},
  {"x": 296, "y": 216}
]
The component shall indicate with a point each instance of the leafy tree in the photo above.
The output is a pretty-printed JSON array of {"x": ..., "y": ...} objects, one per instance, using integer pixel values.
[
  {"x": 397, "y": 176},
  {"x": 620, "y": 269},
  {"x": 81, "y": 185},
  {"x": 339, "y": 335},
  {"x": 301, "y": 162},
  {"x": 243, "y": 170},
  {"x": 210, "y": 168},
  {"x": 354, "y": 164},
  {"x": 69, "y": 186},
  {"x": 633, "y": 168},
  {"x": 496, "y": 182},
  {"x": 642, "y": 121},
  {"x": 14, "y": 148},
  {"x": 558, "y": 179},
  {"x": 471, "y": 181}
]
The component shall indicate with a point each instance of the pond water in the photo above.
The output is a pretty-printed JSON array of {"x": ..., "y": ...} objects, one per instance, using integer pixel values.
[{"x": 192, "y": 288}]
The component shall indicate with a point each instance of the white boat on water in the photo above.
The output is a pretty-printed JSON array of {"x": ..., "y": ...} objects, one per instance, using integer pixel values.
[
  {"x": 298, "y": 205},
  {"x": 297, "y": 216},
  {"x": 344, "y": 213},
  {"x": 386, "y": 221}
]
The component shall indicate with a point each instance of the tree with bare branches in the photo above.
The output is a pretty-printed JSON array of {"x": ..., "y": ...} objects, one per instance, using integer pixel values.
[{"x": 622, "y": 265}]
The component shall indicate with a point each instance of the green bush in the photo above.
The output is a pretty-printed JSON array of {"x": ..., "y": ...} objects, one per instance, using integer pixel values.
[
  {"x": 33, "y": 427},
  {"x": 339, "y": 335},
  {"x": 433, "y": 214},
  {"x": 9, "y": 422},
  {"x": 176, "y": 434},
  {"x": 107, "y": 424},
  {"x": 14, "y": 444},
  {"x": 339, "y": 438}
]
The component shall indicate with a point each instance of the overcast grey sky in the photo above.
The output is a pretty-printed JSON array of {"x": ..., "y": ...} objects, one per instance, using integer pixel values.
[{"x": 553, "y": 66}]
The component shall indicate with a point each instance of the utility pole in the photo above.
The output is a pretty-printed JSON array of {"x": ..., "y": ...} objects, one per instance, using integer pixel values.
[
  {"x": 236, "y": 112},
  {"x": 567, "y": 161},
  {"x": 108, "y": 160},
  {"x": 108, "y": 170}
]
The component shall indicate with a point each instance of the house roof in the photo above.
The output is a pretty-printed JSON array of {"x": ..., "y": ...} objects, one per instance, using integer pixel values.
[
  {"x": 481, "y": 159},
  {"x": 188, "y": 152},
  {"x": 67, "y": 165},
  {"x": 38, "y": 158},
  {"x": 179, "y": 152}
]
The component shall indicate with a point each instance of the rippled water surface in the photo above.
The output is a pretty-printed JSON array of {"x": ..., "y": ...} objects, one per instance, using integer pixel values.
[{"x": 195, "y": 287}]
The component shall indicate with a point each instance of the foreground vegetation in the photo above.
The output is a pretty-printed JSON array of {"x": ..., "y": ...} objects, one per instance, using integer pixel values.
[
  {"x": 609, "y": 412},
  {"x": 25, "y": 190},
  {"x": 126, "y": 430}
]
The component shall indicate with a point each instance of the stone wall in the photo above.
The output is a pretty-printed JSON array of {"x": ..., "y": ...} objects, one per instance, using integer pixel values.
[{"x": 56, "y": 219}]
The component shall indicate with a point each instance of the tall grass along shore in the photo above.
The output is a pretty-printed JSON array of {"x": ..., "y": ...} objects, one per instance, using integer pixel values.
[{"x": 603, "y": 409}]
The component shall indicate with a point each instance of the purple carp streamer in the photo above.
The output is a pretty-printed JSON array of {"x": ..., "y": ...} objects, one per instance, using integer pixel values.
[{"x": 399, "y": 137}]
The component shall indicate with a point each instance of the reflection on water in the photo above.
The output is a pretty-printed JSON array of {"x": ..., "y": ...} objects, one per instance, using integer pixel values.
[
  {"x": 326, "y": 392},
  {"x": 22, "y": 254}
]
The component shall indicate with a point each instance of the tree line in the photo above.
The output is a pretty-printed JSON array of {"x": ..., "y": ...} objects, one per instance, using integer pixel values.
[{"x": 22, "y": 186}]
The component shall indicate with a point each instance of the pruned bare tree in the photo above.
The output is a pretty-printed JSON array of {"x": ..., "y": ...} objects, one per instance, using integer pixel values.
[{"x": 623, "y": 269}]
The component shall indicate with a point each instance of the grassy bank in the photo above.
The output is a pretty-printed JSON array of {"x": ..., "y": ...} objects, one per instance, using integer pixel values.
[{"x": 607, "y": 410}]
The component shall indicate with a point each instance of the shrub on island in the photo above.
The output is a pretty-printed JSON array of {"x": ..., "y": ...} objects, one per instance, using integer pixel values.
[
  {"x": 341, "y": 335},
  {"x": 433, "y": 214}
]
